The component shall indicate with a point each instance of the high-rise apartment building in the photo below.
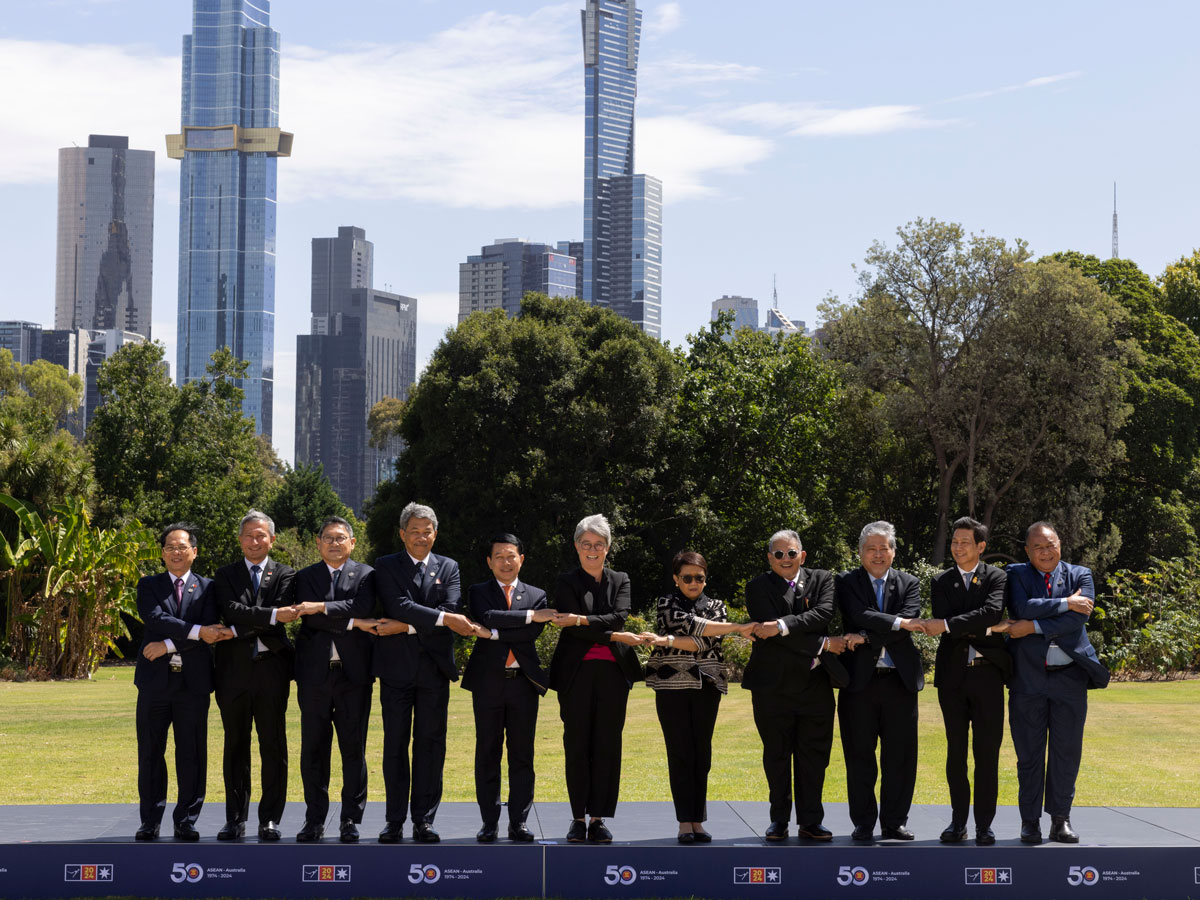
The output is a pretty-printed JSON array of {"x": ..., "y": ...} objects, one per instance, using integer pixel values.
[
  {"x": 229, "y": 142},
  {"x": 502, "y": 273},
  {"x": 744, "y": 309},
  {"x": 104, "y": 269},
  {"x": 622, "y": 211},
  {"x": 363, "y": 347},
  {"x": 22, "y": 339}
]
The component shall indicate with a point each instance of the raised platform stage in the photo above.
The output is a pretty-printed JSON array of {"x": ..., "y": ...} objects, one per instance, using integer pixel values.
[{"x": 1126, "y": 853}]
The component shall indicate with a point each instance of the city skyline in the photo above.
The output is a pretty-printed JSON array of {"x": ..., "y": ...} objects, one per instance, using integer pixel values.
[{"x": 788, "y": 138}]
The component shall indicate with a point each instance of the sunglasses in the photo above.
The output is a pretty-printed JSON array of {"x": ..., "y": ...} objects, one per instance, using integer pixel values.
[
  {"x": 688, "y": 579},
  {"x": 780, "y": 554}
]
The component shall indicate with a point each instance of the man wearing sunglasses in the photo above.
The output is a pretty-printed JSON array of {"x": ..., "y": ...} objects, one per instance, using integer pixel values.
[
  {"x": 879, "y": 706},
  {"x": 792, "y": 669}
]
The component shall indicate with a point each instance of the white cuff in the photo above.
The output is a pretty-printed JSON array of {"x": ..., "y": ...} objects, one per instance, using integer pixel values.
[
  {"x": 274, "y": 609},
  {"x": 194, "y": 634},
  {"x": 440, "y": 619},
  {"x": 233, "y": 628},
  {"x": 528, "y": 616},
  {"x": 783, "y": 629},
  {"x": 495, "y": 635},
  {"x": 350, "y": 625},
  {"x": 169, "y": 644}
]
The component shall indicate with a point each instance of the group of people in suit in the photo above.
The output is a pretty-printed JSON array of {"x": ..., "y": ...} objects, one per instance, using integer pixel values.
[{"x": 397, "y": 621}]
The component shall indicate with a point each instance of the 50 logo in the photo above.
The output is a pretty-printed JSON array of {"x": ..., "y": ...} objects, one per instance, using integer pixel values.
[
  {"x": 1077, "y": 875},
  {"x": 427, "y": 874},
  {"x": 189, "y": 872},
  {"x": 620, "y": 875},
  {"x": 856, "y": 875}
]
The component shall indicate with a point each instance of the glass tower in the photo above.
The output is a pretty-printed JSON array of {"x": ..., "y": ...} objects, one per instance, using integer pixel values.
[
  {"x": 501, "y": 274},
  {"x": 622, "y": 212},
  {"x": 229, "y": 143}
]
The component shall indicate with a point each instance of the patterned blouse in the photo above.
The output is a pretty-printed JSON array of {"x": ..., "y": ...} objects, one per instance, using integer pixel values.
[{"x": 670, "y": 668}]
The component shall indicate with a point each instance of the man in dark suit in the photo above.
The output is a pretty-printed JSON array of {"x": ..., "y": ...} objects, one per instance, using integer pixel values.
[
  {"x": 879, "y": 706},
  {"x": 971, "y": 670},
  {"x": 254, "y": 675},
  {"x": 174, "y": 678},
  {"x": 333, "y": 677},
  {"x": 1054, "y": 665},
  {"x": 420, "y": 595},
  {"x": 506, "y": 680},
  {"x": 790, "y": 680}
]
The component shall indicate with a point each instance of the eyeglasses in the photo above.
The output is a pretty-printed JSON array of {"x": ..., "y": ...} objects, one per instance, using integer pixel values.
[
  {"x": 588, "y": 545},
  {"x": 780, "y": 554},
  {"x": 698, "y": 579},
  {"x": 338, "y": 539},
  {"x": 177, "y": 548}
]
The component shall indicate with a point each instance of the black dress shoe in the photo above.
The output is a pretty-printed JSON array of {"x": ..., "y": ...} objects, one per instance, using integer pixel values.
[
  {"x": 814, "y": 832},
  {"x": 954, "y": 834},
  {"x": 776, "y": 831},
  {"x": 147, "y": 832},
  {"x": 310, "y": 833},
  {"x": 985, "y": 837},
  {"x": 349, "y": 832},
  {"x": 862, "y": 833},
  {"x": 899, "y": 833},
  {"x": 519, "y": 832},
  {"x": 1031, "y": 831},
  {"x": 423, "y": 833},
  {"x": 393, "y": 833},
  {"x": 702, "y": 837},
  {"x": 185, "y": 832},
  {"x": 232, "y": 831},
  {"x": 686, "y": 837},
  {"x": 269, "y": 831},
  {"x": 1060, "y": 830},
  {"x": 486, "y": 834},
  {"x": 577, "y": 833},
  {"x": 598, "y": 833}
]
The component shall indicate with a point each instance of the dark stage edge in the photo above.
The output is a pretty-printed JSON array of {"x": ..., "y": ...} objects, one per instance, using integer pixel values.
[{"x": 88, "y": 850}]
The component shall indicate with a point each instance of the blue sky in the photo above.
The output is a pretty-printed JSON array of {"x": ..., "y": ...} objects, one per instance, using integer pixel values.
[{"x": 789, "y": 136}]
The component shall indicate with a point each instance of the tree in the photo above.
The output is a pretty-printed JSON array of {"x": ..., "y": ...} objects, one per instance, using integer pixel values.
[
  {"x": 1180, "y": 285},
  {"x": 530, "y": 423},
  {"x": 164, "y": 453},
  {"x": 1152, "y": 495},
  {"x": 1009, "y": 371}
]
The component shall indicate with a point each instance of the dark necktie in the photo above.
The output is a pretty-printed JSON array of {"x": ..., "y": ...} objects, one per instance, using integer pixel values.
[
  {"x": 337, "y": 573},
  {"x": 789, "y": 596},
  {"x": 178, "y": 596},
  {"x": 254, "y": 578},
  {"x": 420, "y": 573}
]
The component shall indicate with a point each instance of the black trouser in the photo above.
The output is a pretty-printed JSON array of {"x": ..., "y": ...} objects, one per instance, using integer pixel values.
[
  {"x": 688, "y": 717},
  {"x": 187, "y": 714},
  {"x": 977, "y": 704},
  {"x": 262, "y": 704},
  {"x": 592, "y": 710},
  {"x": 333, "y": 704},
  {"x": 1059, "y": 714},
  {"x": 883, "y": 712},
  {"x": 415, "y": 710},
  {"x": 506, "y": 714},
  {"x": 796, "y": 729}
]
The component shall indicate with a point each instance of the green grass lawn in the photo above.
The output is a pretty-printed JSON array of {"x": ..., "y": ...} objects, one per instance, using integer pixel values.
[{"x": 73, "y": 742}]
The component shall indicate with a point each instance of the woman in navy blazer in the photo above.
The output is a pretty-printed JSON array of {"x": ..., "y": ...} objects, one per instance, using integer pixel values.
[{"x": 593, "y": 668}]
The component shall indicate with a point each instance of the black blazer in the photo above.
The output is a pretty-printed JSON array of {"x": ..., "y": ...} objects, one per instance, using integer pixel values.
[
  {"x": 251, "y": 616},
  {"x": 485, "y": 669},
  {"x": 606, "y": 606},
  {"x": 901, "y": 598},
  {"x": 968, "y": 614},
  {"x": 156, "y": 606},
  {"x": 401, "y": 598},
  {"x": 353, "y": 599},
  {"x": 785, "y": 661}
]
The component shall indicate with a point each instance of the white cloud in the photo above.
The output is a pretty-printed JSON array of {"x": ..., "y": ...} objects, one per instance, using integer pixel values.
[
  {"x": 820, "y": 120},
  {"x": 682, "y": 151},
  {"x": 1040, "y": 81},
  {"x": 663, "y": 19},
  {"x": 681, "y": 72}
]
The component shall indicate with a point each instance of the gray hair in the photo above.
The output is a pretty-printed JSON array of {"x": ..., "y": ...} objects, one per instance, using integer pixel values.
[
  {"x": 785, "y": 534},
  {"x": 887, "y": 529},
  {"x": 256, "y": 516},
  {"x": 417, "y": 511},
  {"x": 596, "y": 524}
]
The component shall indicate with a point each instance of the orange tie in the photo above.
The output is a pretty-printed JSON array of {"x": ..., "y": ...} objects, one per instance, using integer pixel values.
[{"x": 508, "y": 599}]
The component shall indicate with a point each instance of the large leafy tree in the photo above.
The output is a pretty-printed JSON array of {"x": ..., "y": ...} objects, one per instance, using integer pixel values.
[
  {"x": 164, "y": 453},
  {"x": 530, "y": 423},
  {"x": 1009, "y": 372}
]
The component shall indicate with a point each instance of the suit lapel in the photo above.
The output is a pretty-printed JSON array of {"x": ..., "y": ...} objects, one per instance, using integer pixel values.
[
  {"x": 189, "y": 592},
  {"x": 518, "y": 596},
  {"x": 264, "y": 580}
]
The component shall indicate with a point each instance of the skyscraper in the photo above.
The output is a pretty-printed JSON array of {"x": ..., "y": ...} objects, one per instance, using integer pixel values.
[
  {"x": 229, "y": 143},
  {"x": 622, "y": 212},
  {"x": 744, "y": 309},
  {"x": 502, "y": 273},
  {"x": 363, "y": 347},
  {"x": 105, "y": 236}
]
